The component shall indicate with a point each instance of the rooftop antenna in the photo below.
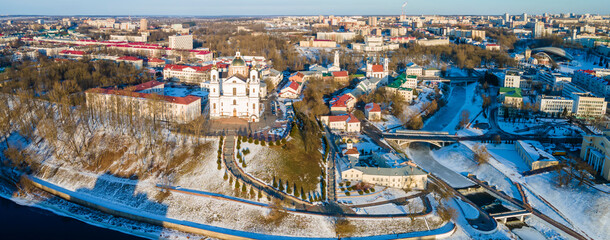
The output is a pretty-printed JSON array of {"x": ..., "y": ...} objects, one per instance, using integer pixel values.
[{"x": 404, "y": 5}]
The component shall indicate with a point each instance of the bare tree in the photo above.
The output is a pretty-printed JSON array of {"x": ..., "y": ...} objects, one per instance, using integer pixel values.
[{"x": 481, "y": 155}]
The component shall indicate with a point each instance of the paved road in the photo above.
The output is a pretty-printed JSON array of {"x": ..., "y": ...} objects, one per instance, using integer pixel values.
[{"x": 421, "y": 155}]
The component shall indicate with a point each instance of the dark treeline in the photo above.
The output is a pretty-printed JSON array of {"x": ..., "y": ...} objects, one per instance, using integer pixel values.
[
  {"x": 225, "y": 40},
  {"x": 53, "y": 80},
  {"x": 462, "y": 55}
]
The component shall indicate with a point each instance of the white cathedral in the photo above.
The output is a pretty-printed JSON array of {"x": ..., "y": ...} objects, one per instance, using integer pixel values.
[{"x": 235, "y": 93}]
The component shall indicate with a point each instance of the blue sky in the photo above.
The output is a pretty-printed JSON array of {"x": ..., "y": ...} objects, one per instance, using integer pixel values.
[{"x": 301, "y": 7}]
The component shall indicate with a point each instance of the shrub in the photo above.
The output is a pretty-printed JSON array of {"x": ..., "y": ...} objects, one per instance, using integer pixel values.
[
  {"x": 283, "y": 141},
  {"x": 243, "y": 164},
  {"x": 256, "y": 141},
  {"x": 348, "y": 183},
  {"x": 263, "y": 143},
  {"x": 277, "y": 142},
  {"x": 372, "y": 189},
  {"x": 271, "y": 143},
  {"x": 360, "y": 192},
  {"x": 225, "y": 177},
  {"x": 340, "y": 184},
  {"x": 250, "y": 140},
  {"x": 219, "y": 167},
  {"x": 347, "y": 194},
  {"x": 366, "y": 191}
]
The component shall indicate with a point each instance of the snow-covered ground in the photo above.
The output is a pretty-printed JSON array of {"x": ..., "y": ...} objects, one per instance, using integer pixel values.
[
  {"x": 580, "y": 62},
  {"x": 552, "y": 127},
  {"x": 582, "y": 207},
  {"x": 414, "y": 205},
  {"x": 460, "y": 158},
  {"x": 448, "y": 117},
  {"x": 387, "y": 122}
]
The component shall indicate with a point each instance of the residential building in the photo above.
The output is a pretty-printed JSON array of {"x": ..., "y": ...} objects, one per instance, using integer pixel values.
[
  {"x": 136, "y": 62},
  {"x": 407, "y": 177},
  {"x": 342, "y": 104},
  {"x": 592, "y": 81},
  {"x": 403, "y": 86},
  {"x": 552, "y": 78},
  {"x": 181, "y": 42},
  {"x": 587, "y": 105},
  {"x": 347, "y": 123},
  {"x": 433, "y": 42},
  {"x": 338, "y": 37},
  {"x": 414, "y": 71},
  {"x": 492, "y": 47},
  {"x": 236, "y": 93},
  {"x": 318, "y": 43},
  {"x": 510, "y": 79},
  {"x": 554, "y": 104},
  {"x": 511, "y": 99},
  {"x": 372, "y": 111},
  {"x": 291, "y": 90},
  {"x": 595, "y": 151},
  {"x": 340, "y": 76},
  {"x": 274, "y": 77},
  {"x": 155, "y": 62},
  {"x": 534, "y": 155},
  {"x": 145, "y": 100},
  {"x": 189, "y": 74}
]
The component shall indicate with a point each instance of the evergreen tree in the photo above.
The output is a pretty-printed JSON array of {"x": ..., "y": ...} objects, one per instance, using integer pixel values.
[
  {"x": 281, "y": 185},
  {"x": 274, "y": 183},
  {"x": 302, "y": 193},
  {"x": 288, "y": 189}
]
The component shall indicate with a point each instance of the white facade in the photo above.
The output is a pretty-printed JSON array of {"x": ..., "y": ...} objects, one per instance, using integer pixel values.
[
  {"x": 404, "y": 178},
  {"x": 184, "y": 73},
  {"x": 554, "y": 105},
  {"x": 512, "y": 81},
  {"x": 238, "y": 95},
  {"x": 344, "y": 123},
  {"x": 181, "y": 42},
  {"x": 588, "y": 106}
]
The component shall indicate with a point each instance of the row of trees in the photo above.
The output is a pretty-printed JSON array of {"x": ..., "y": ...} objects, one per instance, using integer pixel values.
[{"x": 54, "y": 80}]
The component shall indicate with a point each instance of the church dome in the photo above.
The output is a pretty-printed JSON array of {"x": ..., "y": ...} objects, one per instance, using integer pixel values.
[{"x": 238, "y": 62}]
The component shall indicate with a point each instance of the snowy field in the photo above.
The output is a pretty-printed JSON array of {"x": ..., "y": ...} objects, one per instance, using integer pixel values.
[
  {"x": 584, "y": 208},
  {"x": 387, "y": 122},
  {"x": 581, "y": 61},
  {"x": 552, "y": 127},
  {"x": 460, "y": 158}
]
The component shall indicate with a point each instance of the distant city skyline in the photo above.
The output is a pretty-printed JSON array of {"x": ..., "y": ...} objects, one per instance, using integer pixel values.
[{"x": 312, "y": 7}]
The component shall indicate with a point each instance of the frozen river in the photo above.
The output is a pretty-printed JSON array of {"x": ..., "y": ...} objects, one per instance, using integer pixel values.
[{"x": 448, "y": 112}]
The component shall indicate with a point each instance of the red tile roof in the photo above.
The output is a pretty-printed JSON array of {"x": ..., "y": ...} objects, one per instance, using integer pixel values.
[
  {"x": 72, "y": 52},
  {"x": 147, "y": 85},
  {"x": 294, "y": 86},
  {"x": 352, "y": 151},
  {"x": 350, "y": 118},
  {"x": 129, "y": 58},
  {"x": 178, "y": 100},
  {"x": 377, "y": 68},
  {"x": 342, "y": 101},
  {"x": 372, "y": 107},
  {"x": 340, "y": 74}
]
